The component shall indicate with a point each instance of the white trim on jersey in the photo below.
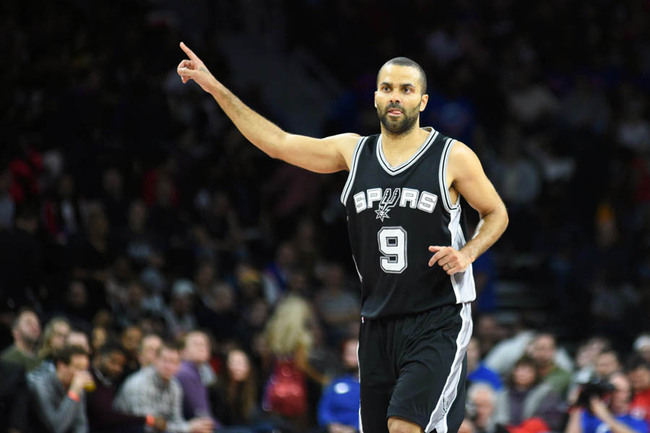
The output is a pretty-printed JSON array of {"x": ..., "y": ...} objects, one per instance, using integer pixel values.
[
  {"x": 461, "y": 282},
  {"x": 359, "y": 373},
  {"x": 438, "y": 419},
  {"x": 353, "y": 170},
  {"x": 393, "y": 171},
  {"x": 442, "y": 177}
]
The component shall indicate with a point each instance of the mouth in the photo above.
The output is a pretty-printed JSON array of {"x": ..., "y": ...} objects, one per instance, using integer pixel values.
[{"x": 394, "y": 112}]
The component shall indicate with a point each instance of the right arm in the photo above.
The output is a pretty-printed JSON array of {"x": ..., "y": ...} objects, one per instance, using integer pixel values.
[{"x": 325, "y": 155}]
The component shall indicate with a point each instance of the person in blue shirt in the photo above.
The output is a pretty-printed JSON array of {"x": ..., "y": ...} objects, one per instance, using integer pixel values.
[
  {"x": 478, "y": 371},
  {"x": 338, "y": 409},
  {"x": 607, "y": 414}
]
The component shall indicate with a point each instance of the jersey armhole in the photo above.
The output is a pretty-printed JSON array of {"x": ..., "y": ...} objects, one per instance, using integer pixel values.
[
  {"x": 353, "y": 170},
  {"x": 442, "y": 178}
]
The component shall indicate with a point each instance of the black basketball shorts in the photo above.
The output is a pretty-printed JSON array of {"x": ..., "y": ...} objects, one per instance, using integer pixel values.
[{"x": 413, "y": 367}]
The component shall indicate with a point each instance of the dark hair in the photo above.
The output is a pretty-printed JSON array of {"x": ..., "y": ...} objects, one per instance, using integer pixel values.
[
  {"x": 111, "y": 347},
  {"x": 65, "y": 355},
  {"x": 405, "y": 61},
  {"x": 636, "y": 361}
]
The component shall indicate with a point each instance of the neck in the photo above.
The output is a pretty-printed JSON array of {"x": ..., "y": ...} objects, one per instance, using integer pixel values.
[
  {"x": 413, "y": 135},
  {"x": 24, "y": 347}
]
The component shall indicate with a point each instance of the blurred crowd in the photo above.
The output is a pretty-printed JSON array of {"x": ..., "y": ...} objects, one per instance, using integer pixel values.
[{"x": 146, "y": 249}]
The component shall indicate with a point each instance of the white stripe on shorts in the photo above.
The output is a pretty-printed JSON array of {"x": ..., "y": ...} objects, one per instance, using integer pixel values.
[{"x": 438, "y": 419}]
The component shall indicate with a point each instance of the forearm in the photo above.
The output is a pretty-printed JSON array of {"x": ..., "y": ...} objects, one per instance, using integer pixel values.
[
  {"x": 488, "y": 231},
  {"x": 573, "y": 425},
  {"x": 263, "y": 133},
  {"x": 616, "y": 426}
]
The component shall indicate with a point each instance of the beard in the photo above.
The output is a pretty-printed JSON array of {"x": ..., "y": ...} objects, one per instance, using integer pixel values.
[{"x": 402, "y": 124}]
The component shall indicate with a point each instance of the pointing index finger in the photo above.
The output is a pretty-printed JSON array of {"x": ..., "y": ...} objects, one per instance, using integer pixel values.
[{"x": 189, "y": 52}]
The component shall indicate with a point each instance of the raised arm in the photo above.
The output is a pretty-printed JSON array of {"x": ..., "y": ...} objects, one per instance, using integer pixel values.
[
  {"x": 465, "y": 176},
  {"x": 326, "y": 155}
]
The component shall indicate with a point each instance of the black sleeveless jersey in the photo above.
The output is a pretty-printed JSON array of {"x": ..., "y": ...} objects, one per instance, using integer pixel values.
[{"x": 394, "y": 214}]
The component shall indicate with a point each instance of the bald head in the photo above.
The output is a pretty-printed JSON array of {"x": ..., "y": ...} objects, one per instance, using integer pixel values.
[{"x": 405, "y": 61}]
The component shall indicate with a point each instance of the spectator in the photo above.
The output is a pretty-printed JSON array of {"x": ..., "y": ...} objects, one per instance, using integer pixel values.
[
  {"x": 290, "y": 341},
  {"x": 607, "y": 364},
  {"x": 601, "y": 416},
  {"x": 26, "y": 331},
  {"x": 148, "y": 349},
  {"x": 195, "y": 353},
  {"x": 58, "y": 395},
  {"x": 21, "y": 261},
  {"x": 107, "y": 367},
  {"x": 234, "y": 400},
  {"x": 336, "y": 306},
  {"x": 477, "y": 371},
  {"x": 13, "y": 398},
  {"x": 54, "y": 337},
  {"x": 482, "y": 399},
  {"x": 526, "y": 398},
  {"x": 542, "y": 350},
  {"x": 642, "y": 346},
  {"x": 638, "y": 373},
  {"x": 79, "y": 339},
  {"x": 154, "y": 390},
  {"x": 585, "y": 361},
  {"x": 338, "y": 410},
  {"x": 179, "y": 316},
  {"x": 130, "y": 339}
]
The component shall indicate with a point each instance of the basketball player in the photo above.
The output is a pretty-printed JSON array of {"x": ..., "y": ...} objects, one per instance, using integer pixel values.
[{"x": 402, "y": 200}]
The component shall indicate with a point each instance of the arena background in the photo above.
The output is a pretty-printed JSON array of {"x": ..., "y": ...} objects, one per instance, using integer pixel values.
[{"x": 551, "y": 95}]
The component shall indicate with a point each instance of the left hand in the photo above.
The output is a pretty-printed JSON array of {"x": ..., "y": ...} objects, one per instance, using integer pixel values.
[{"x": 449, "y": 259}]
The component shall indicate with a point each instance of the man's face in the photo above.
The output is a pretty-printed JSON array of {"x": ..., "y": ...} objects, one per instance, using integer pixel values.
[
  {"x": 399, "y": 99},
  {"x": 149, "y": 350},
  {"x": 28, "y": 329},
  {"x": 66, "y": 372},
  {"x": 167, "y": 363},
  {"x": 484, "y": 404},
  {"x": 543, "y": 350},
  {"x": 112, "y": 364},
  {"x": 639, "y": 379},
  {"x": 197, "y": 348}
]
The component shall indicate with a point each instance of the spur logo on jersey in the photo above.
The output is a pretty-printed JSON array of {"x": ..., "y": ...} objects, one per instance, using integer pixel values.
[{"x": 387, "y": 199}]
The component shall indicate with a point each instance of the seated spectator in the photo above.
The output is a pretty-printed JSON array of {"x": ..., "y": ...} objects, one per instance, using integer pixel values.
[
  {"x": 13, "y": 398},
  {"x": 106, "y": 371},
  {"x": 58, "y": 395},
  {"x": 25, "y": 330},
  {"x": 148, "y": 349},
  {"x": 130, "y": 339},
  {"x": 154, "y": 390},
  {"x": 235, "y": 398},
  {"x": 585, "y": 361},
  {"x": 478, "y": 371},
  {"x": 607, "y": 364},
  {"x": 337, "y": 307},
  {"x": 642, "y": 346},
  {"x": 525, "y": 397},
  {"x": 481, "y": 399},
  {"x": 638, "y": 373},
  {"x": 338, "y": 410},
  {"x": 179, "y": 316},
  {"x": 194, "y": 354},
  {"x": 607, "y": 416},
  {"x": 80, "y": 339},
  {"x": 55, "y": 335},
  {"x": 542, "y": 350}
]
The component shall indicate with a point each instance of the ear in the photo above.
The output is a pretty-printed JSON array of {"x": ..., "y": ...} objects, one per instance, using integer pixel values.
[
  {"x": 375, "y": 99},
  {"x": 423, "y": 102}
]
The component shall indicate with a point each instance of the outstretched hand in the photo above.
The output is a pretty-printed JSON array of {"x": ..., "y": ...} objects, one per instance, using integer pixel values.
[
  {"x": 194, "y": 69},
  {"x": 449, "y": 259}
]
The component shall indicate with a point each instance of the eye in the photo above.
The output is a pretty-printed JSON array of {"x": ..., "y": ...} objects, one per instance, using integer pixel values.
[
  {"x": 408, "y": 90},
  {"x": 385, "y": 88}
]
